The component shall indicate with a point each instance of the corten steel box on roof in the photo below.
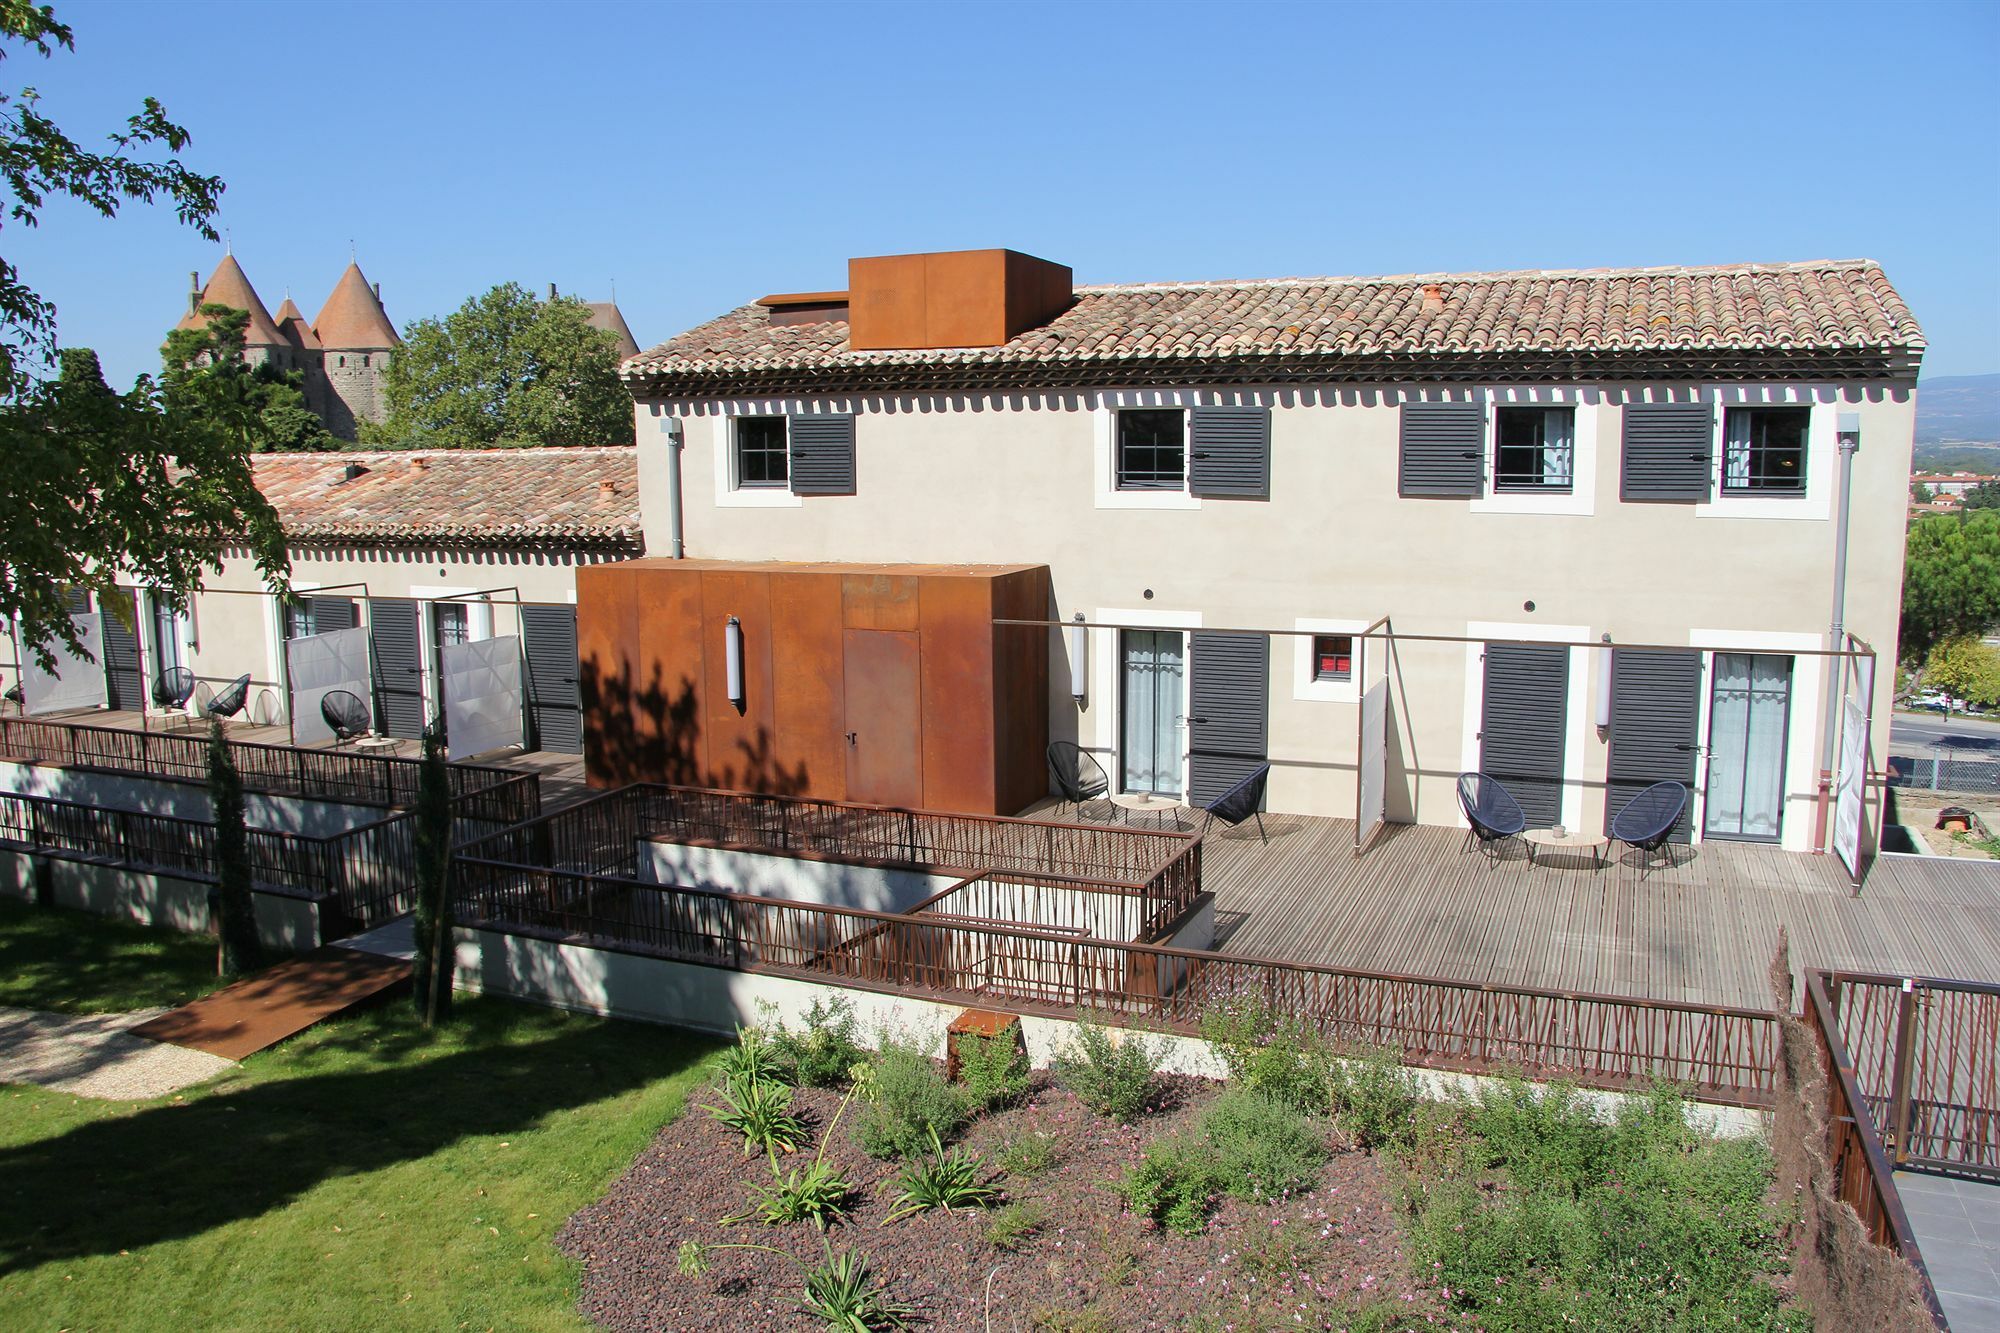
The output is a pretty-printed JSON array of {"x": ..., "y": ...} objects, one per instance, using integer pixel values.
[
  {"x": 961, "y": 298},
  {"x": 884, "y": 684}
]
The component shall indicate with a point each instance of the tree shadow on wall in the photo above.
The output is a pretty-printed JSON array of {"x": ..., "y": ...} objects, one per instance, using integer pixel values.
[{"x": 652, "y": 734}]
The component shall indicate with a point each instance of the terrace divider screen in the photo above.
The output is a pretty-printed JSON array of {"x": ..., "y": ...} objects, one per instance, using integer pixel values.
[
  {"x": 318, "y": 664},
  {"x": 482, "y": 695},
  {"x": 77, "y": 682}
]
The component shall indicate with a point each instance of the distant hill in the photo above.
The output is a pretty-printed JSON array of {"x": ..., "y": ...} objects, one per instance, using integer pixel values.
[{"x": 1958, "y": 408}]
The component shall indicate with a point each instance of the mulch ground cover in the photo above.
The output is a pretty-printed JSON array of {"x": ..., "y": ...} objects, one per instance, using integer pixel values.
[{"x": 1310, "y": 1261}]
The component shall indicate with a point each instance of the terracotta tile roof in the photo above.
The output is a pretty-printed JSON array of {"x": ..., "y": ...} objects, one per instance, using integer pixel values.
[
  {"x": 352, "y": 319},
  {"x": 291, "y": 322},
  {"x": 230, "y": 286},
  {"x": 480, "y": 497},
  {"x": 1303, "y": 326}
]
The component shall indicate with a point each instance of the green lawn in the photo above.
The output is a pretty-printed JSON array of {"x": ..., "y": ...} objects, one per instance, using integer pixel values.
[
  {"x": 83, "y": 964},
  {"x": 364, "y": 1175}
]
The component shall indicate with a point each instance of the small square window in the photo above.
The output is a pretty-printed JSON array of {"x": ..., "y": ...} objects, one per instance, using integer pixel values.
[
  {"x": 1534, "y": 450},
  {"x": 1333, "y": 657},
  {"x": 299, "y": 620},
  {"x": 762, "y": 459},
  {"x": 1152, "y": 450},
  {"x": 1764, "y": 450}
]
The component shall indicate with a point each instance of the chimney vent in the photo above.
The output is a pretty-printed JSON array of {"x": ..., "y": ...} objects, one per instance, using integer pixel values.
[
  {"x": 378, "y": 293},
  {"x": 418, "y": 462},
  {"x": 607, "y": 488},
  {"x": 1433, "y": 297},
  {"x": 552, "y": 291},
  {"x": 352, "y": 471},
  {"x": 194, "y": 293}
]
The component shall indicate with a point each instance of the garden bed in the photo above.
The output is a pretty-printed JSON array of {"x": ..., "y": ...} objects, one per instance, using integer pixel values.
[{"x": 1321, "y": 1255}]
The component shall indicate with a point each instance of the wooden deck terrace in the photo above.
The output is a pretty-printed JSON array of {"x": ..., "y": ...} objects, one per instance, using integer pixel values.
[{"x": 1702, "y": 932}]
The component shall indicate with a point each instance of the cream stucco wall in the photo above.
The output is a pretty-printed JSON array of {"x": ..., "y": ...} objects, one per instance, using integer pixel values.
[{"x": 1024, "y": 477}]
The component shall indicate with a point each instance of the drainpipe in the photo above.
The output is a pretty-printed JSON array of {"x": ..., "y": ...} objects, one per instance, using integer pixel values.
[
  {"x": 670, "y": 426},
  {"x": 1850, "y": 445}
]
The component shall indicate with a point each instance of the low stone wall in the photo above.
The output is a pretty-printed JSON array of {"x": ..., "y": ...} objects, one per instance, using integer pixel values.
[
  {"x": 621, "y": 985},
  {"x": 285, "y": 923}
]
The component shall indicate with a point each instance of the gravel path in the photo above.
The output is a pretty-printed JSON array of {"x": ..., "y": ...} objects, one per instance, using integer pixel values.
[{"x": 93, "y": 1055}]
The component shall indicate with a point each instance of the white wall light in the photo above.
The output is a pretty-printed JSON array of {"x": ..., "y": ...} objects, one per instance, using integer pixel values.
[
  {"x": 1604, "y": 685},
  {"x": 1079, "y": 660},
  {"x": 732, "y": 651}
]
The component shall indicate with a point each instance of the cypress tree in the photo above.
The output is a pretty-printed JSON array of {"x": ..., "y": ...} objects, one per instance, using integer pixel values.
[
  {"x": 431, "y": 922},
  {"x": 239, "y": 950}
]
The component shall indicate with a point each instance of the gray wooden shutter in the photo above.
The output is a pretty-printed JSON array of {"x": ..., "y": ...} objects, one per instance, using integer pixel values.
[
  {"x": 1521, "y": 732},
  {"x": 399, "y": 680},
  {"x": 332, "y": 613},
  {"x": 1667, "y": 453},
  {"x": 1655, "y": 721},
  {"x": 822, "y": 462},
  {"x": 1229, "y": 711},
  {"x": 1443, "y": 450},
  {"x": 548, "y": 636},
  {"x": 124, "y": 682},
  {"x": 1230, "y": 451}
]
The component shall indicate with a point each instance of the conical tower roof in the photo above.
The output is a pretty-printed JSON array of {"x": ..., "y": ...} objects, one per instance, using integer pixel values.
[
  {"x": 607, "y": 316},
  {"x": 230, "y": 286},
  {"x": 292, "y": 323},
  {"x": 352, "y": 319}
]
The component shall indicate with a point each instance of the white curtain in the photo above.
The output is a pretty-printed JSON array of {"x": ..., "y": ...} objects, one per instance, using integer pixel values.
[
  {"x": 1746, "y": 745},
  {"x": 1151, "y": 750},
  {"x": 1736, "y": 455},
  {"x": 1558, "y": 445}
]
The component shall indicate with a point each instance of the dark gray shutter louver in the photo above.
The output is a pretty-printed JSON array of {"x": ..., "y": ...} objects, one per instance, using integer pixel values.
[
  {"x": 124, "y": 682},
  {"x": 822, "y": 446},
  {"x": 1230, "y": 451},
  {"x": 399, "y": 680},
  {"x": 1667, "y": 453},
  {"x": 1521, "y": 731},
  {"x": 1655, "y": 721},
  {"x": 332, "y": 613},
  {"x": 548, "y": 636},
  {"x": 1443, "y": 450},
  {"x": 1228, "y": 711}
]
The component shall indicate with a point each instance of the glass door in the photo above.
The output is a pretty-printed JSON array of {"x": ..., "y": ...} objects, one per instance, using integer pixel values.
[
  {"x": 1749, "y": 711},
  {"x": 1152, "y": 671}
]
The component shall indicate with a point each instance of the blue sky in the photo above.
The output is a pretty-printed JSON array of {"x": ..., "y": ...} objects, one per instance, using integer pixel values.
[{"x": 703, "y": 155}]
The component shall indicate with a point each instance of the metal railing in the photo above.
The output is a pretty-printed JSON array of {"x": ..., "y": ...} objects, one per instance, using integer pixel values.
[
  {"x": 600, "y": 836},
  {"x": 1721, "y": 1054},
  {"x": 1863, "y": 1177},
  {"x": 1926, "y": 1054},
  {"x": 282, "y": 770}
]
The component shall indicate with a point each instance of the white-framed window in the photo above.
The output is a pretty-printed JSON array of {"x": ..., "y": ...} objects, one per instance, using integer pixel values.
[
  {"x": 1152, "y": 449},
  {"x": 1534, "y": 449},
  {"x": 751, "y": 422},
  {"x": 762, "y": 456},
  {"x": 1764, "y": 450},
  {"x": 1333, "y": 658}
]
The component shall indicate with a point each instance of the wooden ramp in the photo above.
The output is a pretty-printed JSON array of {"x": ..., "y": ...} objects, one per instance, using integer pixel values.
[{"x": 265, "y": 1009}]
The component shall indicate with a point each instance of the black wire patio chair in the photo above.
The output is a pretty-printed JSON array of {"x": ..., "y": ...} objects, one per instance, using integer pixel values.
[
  {"x": 346, "y": 714},
  {"x": 1079, "y": 777},
  {"x": 230, "y": 701},
  {"x": 1243, "y": 801},
  {"x": 1491, "y": 810},
  {"x": 1647, "y": 821},
  {"x": 172, "y": 689}
]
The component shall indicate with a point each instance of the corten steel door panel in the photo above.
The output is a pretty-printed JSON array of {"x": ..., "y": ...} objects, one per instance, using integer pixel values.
[
  {"x": 958, "y": 694},
  {"x": 884, "y": 709},
  {"x": 124, "y": 681},
  {"x": 1021, "y": 690},
  {"x": 399, "y": 677},
  {"x": 738, "y": 744},
  {"x": 880, "y": 601},
  {"x": 807, "y": 673},
  {"x": 548, "y": 641},
  {"x": 1521, "y": 734},
  {"x": 607, "y": 644},
  {"x": 669, "y": 693}
]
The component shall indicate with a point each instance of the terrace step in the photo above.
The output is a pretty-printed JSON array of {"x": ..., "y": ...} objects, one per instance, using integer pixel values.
[{"x": 279, "y": 1002}]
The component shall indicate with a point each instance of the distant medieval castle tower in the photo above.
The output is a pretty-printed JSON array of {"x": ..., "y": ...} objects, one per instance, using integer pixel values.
[{"x": 343, "y": 355}]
